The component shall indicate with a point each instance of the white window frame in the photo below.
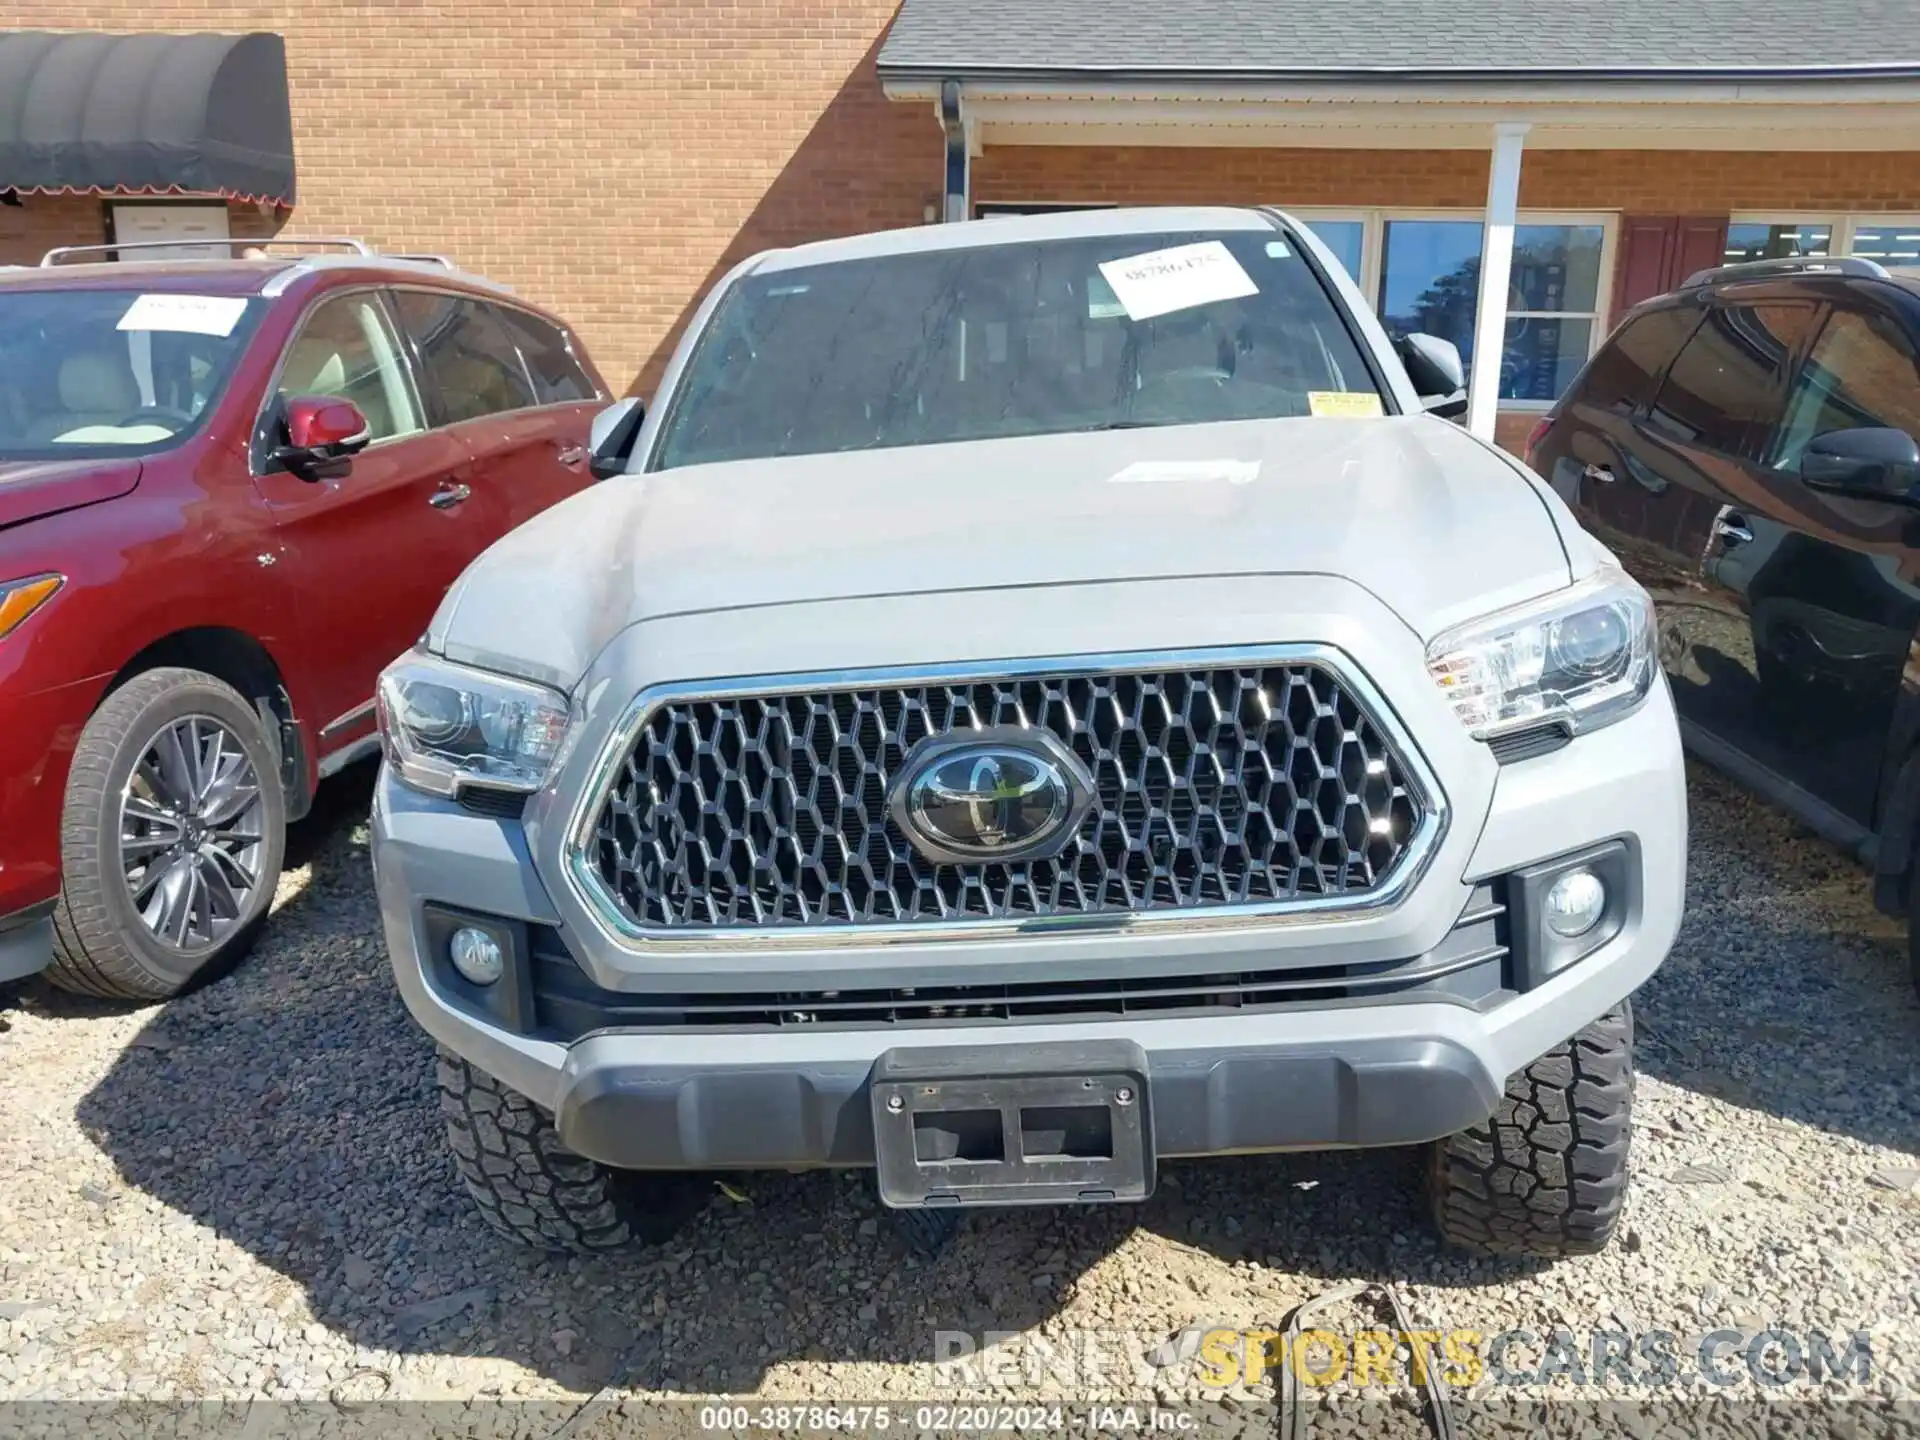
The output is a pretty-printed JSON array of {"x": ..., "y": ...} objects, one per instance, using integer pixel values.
[{"x": 1373, "y": 246}]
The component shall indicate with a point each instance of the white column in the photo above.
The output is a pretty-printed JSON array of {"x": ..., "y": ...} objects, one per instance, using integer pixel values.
[{"x": 1496, "y": 273}]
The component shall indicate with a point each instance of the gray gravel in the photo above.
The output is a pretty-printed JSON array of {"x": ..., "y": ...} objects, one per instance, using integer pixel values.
[{"x": 244, "y": 1194}]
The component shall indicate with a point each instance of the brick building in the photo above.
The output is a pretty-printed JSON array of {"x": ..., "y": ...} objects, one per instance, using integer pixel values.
[{"x": 610, "y": 157}]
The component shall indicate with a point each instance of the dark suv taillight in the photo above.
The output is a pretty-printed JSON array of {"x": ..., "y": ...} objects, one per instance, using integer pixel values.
[{"x": 1535, "y": 436}]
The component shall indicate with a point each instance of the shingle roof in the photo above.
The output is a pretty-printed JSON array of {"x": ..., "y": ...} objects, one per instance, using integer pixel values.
[{"x": 1401, "y": 39}]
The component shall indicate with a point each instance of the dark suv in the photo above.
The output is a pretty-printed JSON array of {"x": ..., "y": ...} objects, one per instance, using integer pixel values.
[
  {"x": 1747, "y": 447},
  {"x": 230, "y": 492}
]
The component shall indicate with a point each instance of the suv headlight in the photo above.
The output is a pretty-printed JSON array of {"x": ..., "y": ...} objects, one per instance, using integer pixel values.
[
  {"x": 1583, "y": 656},
  {"x": 446, "y": 726}
]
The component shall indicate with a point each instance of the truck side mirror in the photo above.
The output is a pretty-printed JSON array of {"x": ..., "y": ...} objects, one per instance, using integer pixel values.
[
  {"x": 610, "y": 439},
  {"x": 1438, "y": 377}
]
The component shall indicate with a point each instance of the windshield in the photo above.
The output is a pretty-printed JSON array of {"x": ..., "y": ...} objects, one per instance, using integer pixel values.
[
  {"x": 92, "y": 373},
  {"x": 1023, "y": 338}
]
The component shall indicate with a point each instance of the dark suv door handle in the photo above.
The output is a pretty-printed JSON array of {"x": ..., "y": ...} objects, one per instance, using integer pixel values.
[
  {"x": 448, "y": 496},
  {"x": 1599, "y": 473},
  {"x": 1732, "y": 529}
]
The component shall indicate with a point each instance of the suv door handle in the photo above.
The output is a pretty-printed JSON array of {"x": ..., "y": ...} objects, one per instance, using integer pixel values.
[
  {"x": 570, "y": 455},
  {"x": 1598, "y": 473},
  {"x": 1732, "y": 529},
  {"x": 448, "y": 496}
]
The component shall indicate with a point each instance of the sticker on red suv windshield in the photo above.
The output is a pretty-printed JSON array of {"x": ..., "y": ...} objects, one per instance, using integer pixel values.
[
  {"x": 186, "y": 314},
  {"x": 1179, "y": 278}
]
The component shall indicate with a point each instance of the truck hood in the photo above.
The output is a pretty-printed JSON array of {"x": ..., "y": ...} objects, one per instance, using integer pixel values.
[
  {"x": 32, "y": 488},
  {"x": 1435, "y": 524}
]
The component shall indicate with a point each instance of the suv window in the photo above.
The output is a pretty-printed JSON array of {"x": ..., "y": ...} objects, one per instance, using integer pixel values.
[
  {"x": 92, "y": 373},
  {"x": 1861, "y": 374},
  {"x": 347, "y": 347},
  {"x": 1723, "y": 389},
  {"x": 1023, "y": 337},
  {"x": 466, "y": 353},
  {"x": 558, "y": 376},
  {"x": 1622, "y": 374}
]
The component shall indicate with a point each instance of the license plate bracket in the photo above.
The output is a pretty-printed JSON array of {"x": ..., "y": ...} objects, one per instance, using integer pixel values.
[{"x": 1055, "y": 1124}]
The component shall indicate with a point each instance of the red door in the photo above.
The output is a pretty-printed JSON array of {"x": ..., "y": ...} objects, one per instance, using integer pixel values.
[
  {"x": 501, "y": 390},
  {"x": 1659, "y": 252},
  {"x": 366, "y": 558}
]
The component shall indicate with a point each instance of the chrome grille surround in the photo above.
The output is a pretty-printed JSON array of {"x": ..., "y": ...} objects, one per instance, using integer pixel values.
[{"x": 1345, "y": 707}]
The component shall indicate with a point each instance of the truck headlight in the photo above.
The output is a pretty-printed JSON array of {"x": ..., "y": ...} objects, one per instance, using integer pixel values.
[
  {"x": 445, "y": 726},
  {"x": 1583, "y": 656}
]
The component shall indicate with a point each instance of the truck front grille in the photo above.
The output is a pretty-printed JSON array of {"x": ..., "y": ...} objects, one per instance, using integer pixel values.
[{"x": 1265, "y": 783}]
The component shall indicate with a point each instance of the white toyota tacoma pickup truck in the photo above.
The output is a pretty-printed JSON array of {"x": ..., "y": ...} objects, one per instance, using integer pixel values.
[{"x": 1031, "y": 699}]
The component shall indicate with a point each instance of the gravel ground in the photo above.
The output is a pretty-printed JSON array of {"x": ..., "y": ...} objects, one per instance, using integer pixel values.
[{"x": 244, "y": 1194}]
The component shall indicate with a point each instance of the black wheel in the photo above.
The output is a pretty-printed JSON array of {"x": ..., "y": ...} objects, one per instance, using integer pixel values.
[
  {"x": 532, "y": 1189},
  {"x": 171, "y": 839},
  {"x": 1547, "y": 1174}
]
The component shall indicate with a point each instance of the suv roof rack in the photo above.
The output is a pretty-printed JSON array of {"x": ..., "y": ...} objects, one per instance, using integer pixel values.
[
  {"x": 60, "y": 254},
  {"x": 1791, "y": 265}
]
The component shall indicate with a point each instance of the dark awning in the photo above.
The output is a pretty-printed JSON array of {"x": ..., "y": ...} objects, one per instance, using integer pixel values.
[{"x": 146, "y": 114}]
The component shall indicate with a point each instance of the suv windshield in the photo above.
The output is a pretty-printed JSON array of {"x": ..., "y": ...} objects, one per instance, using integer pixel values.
[
  {"x": 1021, "y": 338},
  {"x": 91, "y": 373}
]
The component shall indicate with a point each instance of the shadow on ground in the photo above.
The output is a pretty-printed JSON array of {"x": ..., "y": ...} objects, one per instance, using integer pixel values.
[{"x": 289, "y": 1107}]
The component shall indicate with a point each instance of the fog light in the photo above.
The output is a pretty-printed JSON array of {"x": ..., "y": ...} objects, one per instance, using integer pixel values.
[
  {"x": 476, "y": 955},
  {"x": 1575, "y": 904}
]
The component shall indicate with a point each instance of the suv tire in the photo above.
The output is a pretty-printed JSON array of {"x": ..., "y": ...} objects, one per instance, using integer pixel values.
[
  {"x": 102, "y": 945},
  {"x": 531, "y": 1188},
  {"x": 1546, "y": 1175}
]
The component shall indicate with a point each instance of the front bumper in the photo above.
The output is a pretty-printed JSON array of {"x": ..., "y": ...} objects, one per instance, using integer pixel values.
[{"x": 1392, "y": 1072}]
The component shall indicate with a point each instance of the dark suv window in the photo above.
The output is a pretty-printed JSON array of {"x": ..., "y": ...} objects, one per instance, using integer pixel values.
[
  {"x": 467, "y": 354},
  {"x": 557, "y": 375},
  {"x": 1861, "y": 374},
  {"x": 1723, "y": 389},
  {"x": 1622, "y": 374}
]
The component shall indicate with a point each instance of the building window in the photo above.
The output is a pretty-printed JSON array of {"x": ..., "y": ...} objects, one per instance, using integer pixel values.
[
  {"x": 1430, "y": 281},
  {"x": 1773, "y": 238},
  {"x": 1889, "y": 239},
  {"x": 1347, "y": 239}
]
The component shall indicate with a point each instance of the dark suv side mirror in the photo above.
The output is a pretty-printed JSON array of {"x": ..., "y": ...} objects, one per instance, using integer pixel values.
[
  {"x": 1880, "y": 463},
  {"x": 323, "y": 434},
  {"x": 611, "y": 437},
  {"x": 1438, "y": 377}
]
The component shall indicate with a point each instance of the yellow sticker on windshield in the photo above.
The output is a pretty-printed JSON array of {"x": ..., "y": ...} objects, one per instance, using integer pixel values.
[{"x": 1343, "y": 404}]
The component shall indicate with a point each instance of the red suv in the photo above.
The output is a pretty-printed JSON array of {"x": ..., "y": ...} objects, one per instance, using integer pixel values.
[{"x": 230, "y": 492}]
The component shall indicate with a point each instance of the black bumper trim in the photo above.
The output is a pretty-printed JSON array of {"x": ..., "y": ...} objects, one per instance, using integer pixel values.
[{"x": 1216, "y": 1101}]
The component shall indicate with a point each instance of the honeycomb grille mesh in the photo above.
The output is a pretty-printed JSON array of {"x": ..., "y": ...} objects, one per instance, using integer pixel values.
[{"x": 1215, "y": 786}]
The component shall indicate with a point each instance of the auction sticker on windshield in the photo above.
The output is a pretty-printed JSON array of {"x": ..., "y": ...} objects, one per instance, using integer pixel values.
[
  {"x": 1162, "y": 281},
  {"x": 185, "y": 314},
  {"x": 1344, "y": 404}
]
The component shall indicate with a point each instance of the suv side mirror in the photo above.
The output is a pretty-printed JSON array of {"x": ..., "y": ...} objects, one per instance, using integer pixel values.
[
  {"x": 1438, "y": 377},
  {"x": 611, "y": 437},
  {"x": 323, "y": 433},
  {"x": 1877, "y": 464}
]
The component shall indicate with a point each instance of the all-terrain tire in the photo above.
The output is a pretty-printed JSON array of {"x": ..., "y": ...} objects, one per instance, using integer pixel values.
[
  {"x": 1546, "y": 1176},
  {"x": 100, "y": 945},
  {"x": 531, "y": 1188}
]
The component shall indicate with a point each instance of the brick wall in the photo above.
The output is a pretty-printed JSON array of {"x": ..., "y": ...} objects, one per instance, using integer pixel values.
[
  {"x": 1659, "y": 182},
  {"x": 604, "y": 159}
]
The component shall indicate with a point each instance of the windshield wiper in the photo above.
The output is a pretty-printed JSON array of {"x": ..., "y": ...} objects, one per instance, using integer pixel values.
[{"x": 1124, "y": 425}]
